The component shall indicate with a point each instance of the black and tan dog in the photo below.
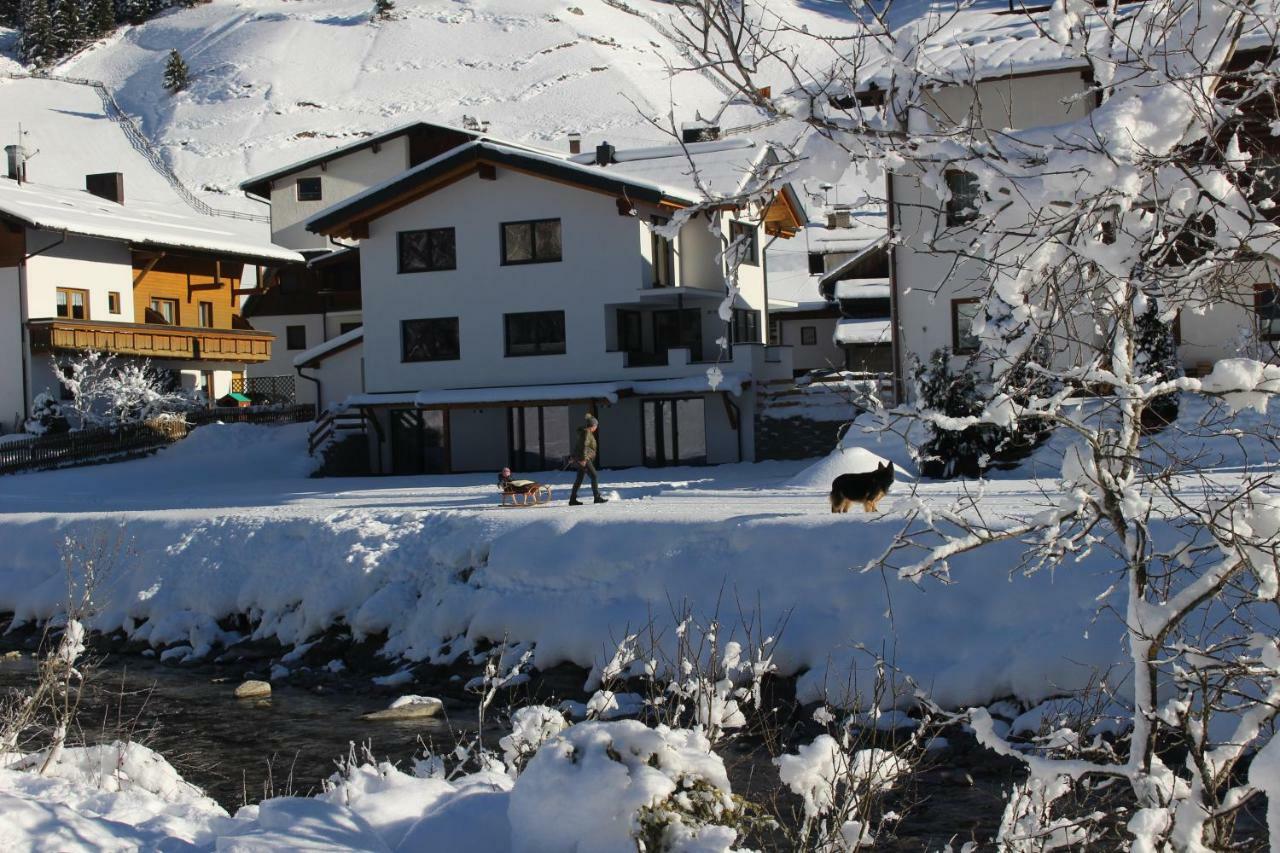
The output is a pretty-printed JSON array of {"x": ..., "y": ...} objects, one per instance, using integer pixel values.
[{"x": 866, "y": 488}]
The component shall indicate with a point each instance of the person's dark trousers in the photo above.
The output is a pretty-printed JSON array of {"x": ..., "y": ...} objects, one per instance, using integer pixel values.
[{"x": 583, "y": 470}]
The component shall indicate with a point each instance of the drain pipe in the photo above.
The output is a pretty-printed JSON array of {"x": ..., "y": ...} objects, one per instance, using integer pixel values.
[
  {"x": 319, "y": 397},
  {"x": 24, "y": 337}
]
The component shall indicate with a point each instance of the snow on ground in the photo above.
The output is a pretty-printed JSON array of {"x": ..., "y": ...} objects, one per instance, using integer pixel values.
[
  {"x": 273, "y": 81},
  {"x": 210, "y": 532}
]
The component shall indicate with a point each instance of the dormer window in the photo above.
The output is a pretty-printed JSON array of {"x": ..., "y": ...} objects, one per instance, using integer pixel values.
[{"x": 309, "y": 189}]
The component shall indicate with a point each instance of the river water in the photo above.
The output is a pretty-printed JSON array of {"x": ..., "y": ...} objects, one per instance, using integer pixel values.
[{"x": 241, "y": 751}]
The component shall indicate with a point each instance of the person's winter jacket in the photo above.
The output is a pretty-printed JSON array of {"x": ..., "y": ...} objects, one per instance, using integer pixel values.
[{"x": 584, "y": 449}]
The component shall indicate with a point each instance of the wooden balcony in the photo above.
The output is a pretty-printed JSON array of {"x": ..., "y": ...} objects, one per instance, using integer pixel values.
[{"x": 151, "y": 340}]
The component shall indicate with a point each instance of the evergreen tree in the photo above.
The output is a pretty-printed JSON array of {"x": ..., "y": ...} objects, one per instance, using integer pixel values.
[
  {"x": 951, "y": 453},
  {"x": 101, "y": 17},
  {"x": 1157, "y": 355},
  {"x": 11, "y": 13},
  {"x": 382, "y": 9},
  {"x": 68, "y": 27},
  {"x": 37, "y": 45},
  {"x": 175, "y": 72}
]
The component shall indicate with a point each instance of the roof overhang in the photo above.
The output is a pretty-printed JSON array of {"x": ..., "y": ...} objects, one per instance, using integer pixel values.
[
  {"x": 784, "y": 215},
  {"x": 350, "y": 219}
]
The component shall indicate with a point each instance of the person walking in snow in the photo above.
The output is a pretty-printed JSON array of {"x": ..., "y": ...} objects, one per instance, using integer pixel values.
[{"x": 584, "y": 456}]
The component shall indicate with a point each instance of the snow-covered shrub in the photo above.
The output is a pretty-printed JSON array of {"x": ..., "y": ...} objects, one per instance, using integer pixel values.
[
  {"x": 47, "y": 417},
  {"x": 531, "y": 727},
  {"x": 946, "y": 394},
  {"x": 604, "y": 787},
  {"x": 1157, "y": 357},
  {"x": 108, "y": 393}
]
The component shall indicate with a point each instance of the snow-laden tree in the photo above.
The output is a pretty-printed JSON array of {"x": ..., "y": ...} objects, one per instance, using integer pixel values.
[
  {"x": 382, "y": 10},
  {"x": 1155, "y": 196},
  {"x": 107, "y": 393},
  {"x": 37, "y": 44},
  {"x": 176, "y": 74}
]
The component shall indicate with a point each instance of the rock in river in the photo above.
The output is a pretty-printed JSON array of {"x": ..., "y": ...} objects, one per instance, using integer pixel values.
[
  {"x": 253, "y": 690},
  {"x": 408, "y": 708}
]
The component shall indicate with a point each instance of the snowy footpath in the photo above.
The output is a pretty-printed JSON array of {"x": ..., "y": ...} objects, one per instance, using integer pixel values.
[{"x": 227, "y": 522}]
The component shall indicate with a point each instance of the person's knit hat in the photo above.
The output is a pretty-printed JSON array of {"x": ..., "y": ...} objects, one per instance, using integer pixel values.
[{"x": 591, "y": 420}]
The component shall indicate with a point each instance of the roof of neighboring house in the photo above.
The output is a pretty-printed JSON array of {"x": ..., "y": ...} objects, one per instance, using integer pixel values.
[
  {"x": 139, "y": 223},
  {"x": 333, "y": 346},
  {"x": 723, "y": 167},
  {"x": 862, "y": 331},
  {"x": 439, "y": 171},
  {"x": 261, "y": 184}
]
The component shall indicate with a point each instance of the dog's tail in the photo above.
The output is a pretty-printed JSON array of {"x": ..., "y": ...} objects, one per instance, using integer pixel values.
[{"x": 836, "y": 498}]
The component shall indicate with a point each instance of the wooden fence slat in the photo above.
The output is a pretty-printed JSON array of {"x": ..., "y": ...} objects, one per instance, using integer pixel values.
[{"x": 93, "y": 446}]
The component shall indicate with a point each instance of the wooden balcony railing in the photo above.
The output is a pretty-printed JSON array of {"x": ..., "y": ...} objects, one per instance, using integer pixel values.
[{"x": 242, "y": 346}]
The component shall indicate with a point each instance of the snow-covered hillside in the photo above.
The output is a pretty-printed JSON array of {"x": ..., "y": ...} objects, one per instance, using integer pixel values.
[{"x": 275, "y": 81}]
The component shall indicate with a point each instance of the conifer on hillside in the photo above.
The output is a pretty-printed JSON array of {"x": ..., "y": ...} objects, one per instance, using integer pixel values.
[
  {"x": 68, "y": 27},
  {"x": 176, "y": 74},
  {"x": 101, "y": 17},
  {"x": 37, "y": 45},
  {"x": 382, "y": 10}
]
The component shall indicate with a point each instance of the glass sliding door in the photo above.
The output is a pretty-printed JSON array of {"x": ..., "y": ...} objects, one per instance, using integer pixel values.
[
  {"x": 418, "y": 442},
  {"x": 675, "y": 432},
  {"x": 678, "y": 328},
  {"x": 538, "y": 437}
]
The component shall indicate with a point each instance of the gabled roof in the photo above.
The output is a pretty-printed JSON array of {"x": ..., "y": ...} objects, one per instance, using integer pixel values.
[
  {"x": 350, "y": 217},
  {"x": 260, "y": 185},
  {"x": 143, "y": 224}
]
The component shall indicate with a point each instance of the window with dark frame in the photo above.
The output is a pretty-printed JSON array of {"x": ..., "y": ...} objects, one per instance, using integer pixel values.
[
  {"x": 427, "y": 250},
  {"x": 1266, "y": 302},
  {"x": 808, "y": 336},
  {"x": 964, "y": 341},
  {"x": 962, "y": 207},
  {"x": 73, "y": 304},
  {"x": 534, "y": 241},
  {"x": 295, "y": 337},
  {"x": 534, "y": 333},
  {"x": 775, "y": 333},
  {"x": 749, "y": 254},
  {"x": 817, "y": 263},
  {"x": 429, "y": 339},
  {"x": 206, "y": 315},
  {"x": 745, "y": 326},
  {"x": 630, "y": 330},
  {"x": 113, "y": 302},
  {"x": 308, "y": 189}
]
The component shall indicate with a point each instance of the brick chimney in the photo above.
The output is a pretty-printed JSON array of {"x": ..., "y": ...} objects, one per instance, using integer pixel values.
[
  {"x": 16, "y": 158},
  {"x": 108, "y": 185},
  {"x": 575, "y": 143}
]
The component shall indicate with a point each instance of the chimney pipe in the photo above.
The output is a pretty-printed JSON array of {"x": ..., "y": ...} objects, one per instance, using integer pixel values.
[
  {"x": 16, "y": 156},
  {"x": 604, "y": 154},
  {"x": 108, "y": 185},
  {"x": 575, "y": 143}
]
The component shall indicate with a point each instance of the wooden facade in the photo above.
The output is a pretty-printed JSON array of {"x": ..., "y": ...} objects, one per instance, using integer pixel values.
[
  {"x": 151, "y": 340},
  {"x": 188, "y": 281}
]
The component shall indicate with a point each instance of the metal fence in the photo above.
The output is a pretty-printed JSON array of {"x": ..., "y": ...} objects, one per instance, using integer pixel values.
[{"x": 94, "y": 446}]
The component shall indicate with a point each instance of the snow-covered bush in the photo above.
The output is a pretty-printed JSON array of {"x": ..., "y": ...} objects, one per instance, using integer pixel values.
[
  {"x": 531, "y": 727},
  {"x": 47, "y": 417},
  {"x": 606, "y": 787},
  {"x": 948, "y": 394},
  {"x": 109, "y": 393}
]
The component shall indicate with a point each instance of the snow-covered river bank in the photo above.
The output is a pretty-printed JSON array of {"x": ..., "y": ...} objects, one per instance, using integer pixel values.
[{"x": 191, "y": 543}]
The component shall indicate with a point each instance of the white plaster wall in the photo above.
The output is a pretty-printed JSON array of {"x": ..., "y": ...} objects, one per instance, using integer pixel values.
[
  {"x": 824, "y": 354},
  {"x": 13, "y": 405},
  {"x": 600, "y": 265},
  {"x": 340, "y": 179},
  {"x": 927, "y": 282},
  {"x": 281, "y": 361},
  {"x": 83, "y": 263},
  {"x": 334, "y": 320},
  {"x": 340, "y": 375}
]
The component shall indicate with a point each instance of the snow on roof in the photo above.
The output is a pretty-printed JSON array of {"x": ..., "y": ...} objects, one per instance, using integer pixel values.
[
  {"x": 140, "y": 223},
  {"x": 319, "y": 351},
  {"x": 365, "y": 141},
  {"x": 723, "y": 167},
  {"x": 863, "y": 288},
  {"x": 491, "y": 149},
  {"x": 862, "y": 332}
]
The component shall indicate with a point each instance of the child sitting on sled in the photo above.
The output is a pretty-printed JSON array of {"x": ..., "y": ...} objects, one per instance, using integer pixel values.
[{"x": 521, "y": 492}]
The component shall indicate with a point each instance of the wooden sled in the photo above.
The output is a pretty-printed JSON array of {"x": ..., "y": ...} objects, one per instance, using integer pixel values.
[{"x": 518, "y": 494}]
